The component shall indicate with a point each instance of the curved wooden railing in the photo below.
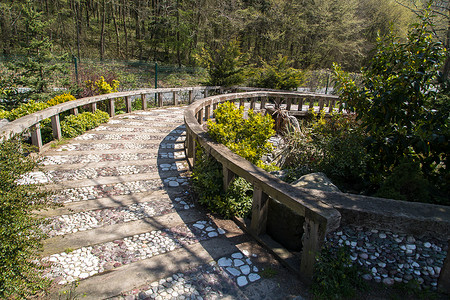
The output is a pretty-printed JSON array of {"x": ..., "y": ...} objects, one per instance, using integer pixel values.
[
  {"x": 32, "y": 121},
  {"x": 320, "y": 218},
  {"x": 322, "y": 211}
]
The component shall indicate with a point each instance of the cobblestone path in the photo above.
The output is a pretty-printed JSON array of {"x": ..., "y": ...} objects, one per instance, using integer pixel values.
[{"x": 129, "y": 229}]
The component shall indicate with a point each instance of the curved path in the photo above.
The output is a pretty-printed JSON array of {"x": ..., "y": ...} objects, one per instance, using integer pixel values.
[{"x": 128, "y": 228}]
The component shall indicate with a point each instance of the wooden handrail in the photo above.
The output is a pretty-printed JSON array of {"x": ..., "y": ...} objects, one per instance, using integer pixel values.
[{"x": 31, "y": 121}]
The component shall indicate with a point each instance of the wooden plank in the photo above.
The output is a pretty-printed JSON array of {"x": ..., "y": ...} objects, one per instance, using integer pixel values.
[{"x": 93, "y": 107}]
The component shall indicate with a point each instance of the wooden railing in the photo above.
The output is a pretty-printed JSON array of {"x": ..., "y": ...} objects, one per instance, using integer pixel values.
[
  {"x": 320, "y": 218},
  {"x": 32, "y": 122}
]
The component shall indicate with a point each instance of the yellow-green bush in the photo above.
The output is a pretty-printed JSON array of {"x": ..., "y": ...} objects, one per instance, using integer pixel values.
[
  {"x": 245, "y": 137},
  {"x": 23, "y": 110},
  {"x": 60, "y": 99},
  {"x": 101, "y": 86}
]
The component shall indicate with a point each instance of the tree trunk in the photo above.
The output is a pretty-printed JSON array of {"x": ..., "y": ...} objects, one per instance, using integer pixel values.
[{"x": 102, "y": 33}]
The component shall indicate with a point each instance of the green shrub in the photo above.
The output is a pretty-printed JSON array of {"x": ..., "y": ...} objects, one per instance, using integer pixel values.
[
  {"x": 333, "y": 145},
  {"x": 245, "y": 137},
  {"x": 207, "y": 181},
  {"x": 20, "y": 233},
  {"x": 406, "y": 183},
  {"x": 277, "y": 75},
  {"x": 397, "y": 105},
  {"x": 75, "y": 125},
  {"x": 334, "y": 275}
]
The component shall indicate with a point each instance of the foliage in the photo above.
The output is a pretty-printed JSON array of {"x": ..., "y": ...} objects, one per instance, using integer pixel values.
[
  {"x": 23, "y": 110},
  {"x": 247, "y": 137},
  {"x": 75, "y": 125},
  {"x": 40, "y": 68},
  {"x": 225, "y": 64},
  {"x": 278, "y": 75},
  {"x": 20, "y": 234},
  {"x": 334, "y": 276},
  {"x": 60, "y": 99},
  {"x": 99, "y": 85},
  {"x": 397, "y": 104},
  {"x": 332, "y": 144},
  {"x": 405, "y": 183},
  {"x": 207, "y": 181}
]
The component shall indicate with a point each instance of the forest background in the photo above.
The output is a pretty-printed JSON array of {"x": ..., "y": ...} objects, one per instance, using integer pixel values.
[{"x": 311, "y": 33}]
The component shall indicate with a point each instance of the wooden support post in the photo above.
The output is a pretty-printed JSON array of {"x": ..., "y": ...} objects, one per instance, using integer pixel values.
[
  {"x": 93, "y": 107},
  {"x": 444, "y": 277},
  {"x": 200, "y": 116},
  {"x": 56, "y": 127},
  {"x": 128, "y": 104},
  {"x": 191, "y": 97},
  {"x": 313, "y": 239},
  {"x": 300, "y": 104},
  {"x": 112, "y": 110},
  {"x": 311, "y": 102},
  {"x": 332, "y": 104},
  {"x": 321, "y": 104},
  {"x": 206, "y": 93},
  {"x": 36, "y": 138},
  {"x": 144, "y": 101},
  {"x": 260, "y": 210},
  {"x": 263, "y": 102},
  {"x": 241, "y": 102},
  {"x": 288, "y": 104},
  {"x": 175, "y": 98},
  {"x": 189, "y": 150},
  {"x": 207, "y": 112},
  {"x": 74, "y": 111},
  {"x": 160, "y": 100},
  {"x": 214, "y": 110},
  {"x": 252, "y": 103},
  {"x": 228, "y": 176}
]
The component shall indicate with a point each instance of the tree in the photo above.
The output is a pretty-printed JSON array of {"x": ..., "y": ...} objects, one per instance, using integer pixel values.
[
  {"x": 397, "y": 102},
  {"x": 38, "y": 69},
  {"x": 225, "y": 65}
]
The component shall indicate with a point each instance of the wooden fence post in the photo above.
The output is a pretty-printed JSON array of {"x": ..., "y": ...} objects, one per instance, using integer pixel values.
[
  {"x": 175, "y": 98},
  {"x": 112, "y": 110},
  {"x": 228, "y": 176},
  {"x": 160, "y": 100},
  {"x": 56, "y": 127},
  {"x": 260, "y": 209},
  {"x": 313, "y": 239},
  {"x": 144, "y": 101},
  {"x": 93, "y": 107},
  {"x": 128, "y": 104},
  {"x": 444, "y": 277},
  {"x": 36, "y": 138}
]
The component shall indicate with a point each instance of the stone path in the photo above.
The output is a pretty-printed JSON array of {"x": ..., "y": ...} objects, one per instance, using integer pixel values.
[{"x": 128, "y": 228}]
